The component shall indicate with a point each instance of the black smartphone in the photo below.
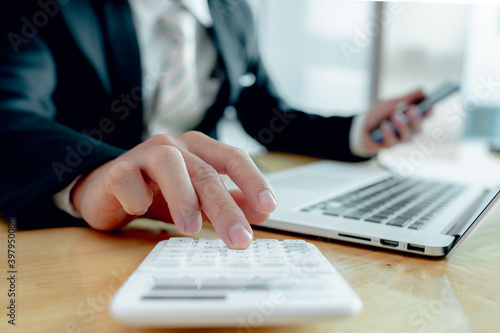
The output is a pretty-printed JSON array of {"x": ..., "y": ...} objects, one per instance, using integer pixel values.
[{"x": 441, "y": 93}]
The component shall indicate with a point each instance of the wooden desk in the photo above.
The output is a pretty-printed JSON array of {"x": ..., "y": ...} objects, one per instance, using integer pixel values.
[{"x": 66, "y": 277}]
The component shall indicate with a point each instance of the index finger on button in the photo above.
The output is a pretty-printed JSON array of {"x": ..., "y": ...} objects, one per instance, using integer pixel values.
[
  {"x": 226, "y": 216},
  {"x": 238, "y": 165}
]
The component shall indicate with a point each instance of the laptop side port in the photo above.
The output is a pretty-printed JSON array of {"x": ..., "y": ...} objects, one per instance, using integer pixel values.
[
  {"x": 356, "y": 237},
  {"x": 416, "y": 248},
  {"x": 390, "y": 243}
]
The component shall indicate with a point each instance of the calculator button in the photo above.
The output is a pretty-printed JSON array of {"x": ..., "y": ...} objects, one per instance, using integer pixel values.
[
  {"x": 264, "y": 240},
  {"x": 267, "y": 247},
  {"x": 238, "y": 268},
  {"x": 180, "y": 241},
  {"x": 208, "y": 256},
  {"x": 293, "y": 245},
  {"x": 171, "y": 250},
  {"x": 299, "y": 253},
  {"x": 171, "y": 256},
  {"x": 207, "y": 246},
  {"x": 168, "y": 263},
  {"x": 273, "y": 257},
  {"x": 201, "y": 251},
  {"x": 212, "y": 240},
  {"x": 203, "y": 262},
  {"x": 305, "y": 262},
  {"x": 273, "y": 262},
  {"x": 298, "y": 250},
  {"x": 239, "y": 252}
]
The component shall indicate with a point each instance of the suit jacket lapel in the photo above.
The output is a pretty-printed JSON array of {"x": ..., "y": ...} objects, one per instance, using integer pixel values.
[
  {"x": 235, "y": 39},
  {"x": 82, "y": 21},
  {"x": 124, "y": 54},
  {"x": 124, "y": 64},
  {"x": 105, "y": 33}
]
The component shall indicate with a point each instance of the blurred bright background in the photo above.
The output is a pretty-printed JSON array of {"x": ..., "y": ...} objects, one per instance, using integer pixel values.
[{"x": 339, "y": 57}]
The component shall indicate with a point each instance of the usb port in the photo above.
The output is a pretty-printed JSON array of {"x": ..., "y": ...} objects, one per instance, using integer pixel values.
[
  {"x": 416, "y": 248},
  {"x": 390, "y": 243}
]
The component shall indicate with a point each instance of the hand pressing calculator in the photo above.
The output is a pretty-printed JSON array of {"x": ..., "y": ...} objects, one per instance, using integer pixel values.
[{"x": 201, "y": 283}]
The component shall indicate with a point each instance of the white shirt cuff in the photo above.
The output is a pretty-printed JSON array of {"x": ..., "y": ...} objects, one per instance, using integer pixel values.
[
  {"x": 62, "y": 200},
  {"x": 356, "y": 136}
]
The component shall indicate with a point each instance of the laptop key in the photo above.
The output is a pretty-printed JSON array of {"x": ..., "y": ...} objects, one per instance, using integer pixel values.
[
  {"x": 375, "y": 219},
  {"x": 399, "y": 222},
  {"x": 336, "y": 211},
  {"x": 355, "y": 215},
  {"x": 416, "y": 225}
]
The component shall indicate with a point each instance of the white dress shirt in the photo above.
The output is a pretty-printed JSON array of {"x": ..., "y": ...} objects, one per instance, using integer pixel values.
[{"x": 199, "y": 56}]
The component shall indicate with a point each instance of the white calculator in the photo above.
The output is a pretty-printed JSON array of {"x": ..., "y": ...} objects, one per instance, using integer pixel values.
[{"x": 202, "y": 283}]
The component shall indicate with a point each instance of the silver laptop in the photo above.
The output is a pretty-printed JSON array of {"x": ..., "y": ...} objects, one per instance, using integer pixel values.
[{"x": 371, "y": 206}]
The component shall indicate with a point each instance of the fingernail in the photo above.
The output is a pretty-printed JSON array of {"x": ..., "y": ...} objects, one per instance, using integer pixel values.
[
  {"x": 385, "y": 122},
  {"x": 267, "y": 200},
  {"x": 193, "y": 225},
  {"x": 402, "y": 107},
  {"x": 239, "y": 236},
  {"x": 417, "y": 111},
  {"x": 402, "y": 117}
]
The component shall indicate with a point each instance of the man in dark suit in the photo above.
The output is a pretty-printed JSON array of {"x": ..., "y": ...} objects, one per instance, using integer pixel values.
[{"x": 72, "y": 119}]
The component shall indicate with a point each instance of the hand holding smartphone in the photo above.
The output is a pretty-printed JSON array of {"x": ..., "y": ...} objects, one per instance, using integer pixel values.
[{"x": 424, "y": 106}]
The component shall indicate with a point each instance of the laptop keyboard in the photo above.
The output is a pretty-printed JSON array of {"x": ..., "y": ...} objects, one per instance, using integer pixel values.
[{"x": 399, "y": 202}]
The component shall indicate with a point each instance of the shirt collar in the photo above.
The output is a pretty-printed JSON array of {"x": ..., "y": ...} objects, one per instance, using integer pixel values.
[
  {"x": 147, "y": 11},
  {"x": 200, "y": 10}
]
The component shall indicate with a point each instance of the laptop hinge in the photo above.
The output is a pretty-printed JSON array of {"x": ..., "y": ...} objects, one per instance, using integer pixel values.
[{"x": 457, "y": 229}]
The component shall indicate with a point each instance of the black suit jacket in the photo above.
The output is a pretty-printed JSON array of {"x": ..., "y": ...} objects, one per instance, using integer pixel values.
[{"x": 70, "y": 98}]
